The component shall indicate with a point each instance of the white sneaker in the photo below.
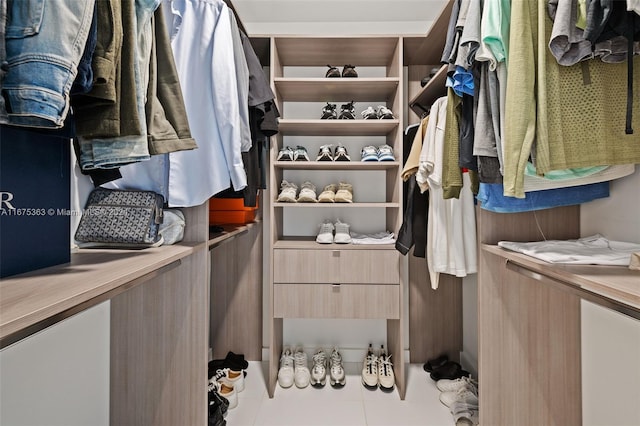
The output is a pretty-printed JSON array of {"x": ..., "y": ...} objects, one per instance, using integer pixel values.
[
  {"x": 285, "y": 374},
  {"x": 452, "y": 385},
  {"x": 370, "y": 369},
  {"x": 337, "y": 376},
  {"x": 231, "y": 378},
  {"x": 385, "y": 153},
  {"x": 301, "y": 368},
  {"x": 343, "y": 236},
  {"x": 225, "y": 391},
  {"x": 464, "y": 395},
  {"x": 386, "y": 378},
  {"x": 307, "y": 193},
  {"x": 319, "y": 369},
  {"x": 325, "y": 235},
  {"x": 465, "y": 414},
  {"x": 287, "y": 192}
]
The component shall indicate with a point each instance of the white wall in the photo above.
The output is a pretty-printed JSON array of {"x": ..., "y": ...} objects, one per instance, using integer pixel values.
[{"x": 59, "y": 376}]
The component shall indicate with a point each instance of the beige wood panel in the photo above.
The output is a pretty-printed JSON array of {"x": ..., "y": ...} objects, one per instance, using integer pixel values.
[
  {"x": 305, "y": 266},
  {"x": 236, "y": 296},
  {"x": 617, "y": 283},
  {"x": 159, "y": 349},
  {"x": 559, "y": 223},
  {"x": 529, "y": 354},
  {"x": 30, "y": 298},
  {"x": 368, "y": 266},
  {"x": 306, "y": 243},
  {"x": 319, "y": 51},
  {"x": 313, "y": 127},
  {"x": 435, "y": 316},
  {"x": 197, "y": 223},
  {"x": 395, "y": 346},
  {"x": 329, "y": 89},
  {"x": 355, "y": 205},
  {"x": 275, "y": 349},
  {"x": 350, "y": 301}
]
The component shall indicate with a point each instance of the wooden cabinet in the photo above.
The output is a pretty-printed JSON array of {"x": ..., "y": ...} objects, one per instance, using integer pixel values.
[{"x": 311, "y": 280}]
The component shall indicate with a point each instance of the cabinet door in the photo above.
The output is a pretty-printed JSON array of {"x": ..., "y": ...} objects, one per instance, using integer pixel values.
[
  {"x": 305, "y": 266},
  {"x": 369, "y": 266},
  {"x": 362, "y": 301}
]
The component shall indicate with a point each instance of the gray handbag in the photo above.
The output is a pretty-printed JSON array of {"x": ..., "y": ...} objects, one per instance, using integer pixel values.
[{"x": 121, "y": 219}]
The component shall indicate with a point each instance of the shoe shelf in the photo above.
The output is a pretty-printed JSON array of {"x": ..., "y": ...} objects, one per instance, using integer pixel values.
[
  {"x": 303, "y": 243},
  {"x": 434, "y": 89},
  {"x": 339, "y": 205},
  {"x": 336, "y": 165},
  {"x": 303, "y": 127},
  {"x": 330, "y": 89}
]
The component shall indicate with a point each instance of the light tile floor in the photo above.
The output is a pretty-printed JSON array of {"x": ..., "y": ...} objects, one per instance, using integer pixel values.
[{"x": 353, "y": 405}]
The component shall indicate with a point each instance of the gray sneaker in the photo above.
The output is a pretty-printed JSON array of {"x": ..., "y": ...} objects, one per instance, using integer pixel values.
[
  {"x": 319, "y": 369},
  {"x": 325, "y": 235},
  {"x": 337, "y": 376},
  {"x": 307, "y": 193},
  {"x": 343, "y": 236}
]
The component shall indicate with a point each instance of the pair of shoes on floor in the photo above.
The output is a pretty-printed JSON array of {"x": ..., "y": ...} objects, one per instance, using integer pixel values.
[
  {"x": 339, "y": 154},
  {"x": 218, "y": 407},
  {"x": 337, "y": 193},
  {"x": 226, "y": 384},
  {"x": 347, "y": 112},
  {"x": 347, "y": 71},
  {"x": 234, "y": 362},
  {"x": 449, "y": 370},
  {"x": 289, "y": 193},
  {"x": 287, "y": 153},
  {"x": 294, "y": 369},
  {"x": 326, "y": 234},
  {"x": 461, "y": 396},
  {"x": 380, "y": 153},
  {"x": 332, "y": 367},
  {"x": 379, "y": 113},
  {"x": 377, "y": 370}
]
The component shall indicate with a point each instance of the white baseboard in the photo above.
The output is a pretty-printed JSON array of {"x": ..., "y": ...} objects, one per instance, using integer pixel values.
[{"x": 469, "y": 363}]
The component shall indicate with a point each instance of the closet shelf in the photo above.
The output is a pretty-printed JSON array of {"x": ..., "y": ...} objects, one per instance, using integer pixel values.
[
  {"x": 32, "y": 299},
  {"x": 309, "y": 243},
  {"x": 423, "y": 100},
  {"x": 336, "y": 89},
  {"x": 617, "y": 284},
  {"x": 336, "y": 165},
  {"x": 298, "y": 127},
  {"x": 338, "y": 205}
]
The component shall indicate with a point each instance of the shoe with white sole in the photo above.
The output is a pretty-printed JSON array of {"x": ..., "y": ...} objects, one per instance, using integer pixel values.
[
  {"x": 452, "y": 385},
  {"x": 344, "y": 194},
  {"x": 386, "y": 378},
  {"x": 301, "y": 374},
  {"x": 285, "y": 373},
  {"x": 370, "y": 369},
  {"x": 325, "y": 154},
  {"x": 307, "y": 193},
  {"x": 465, "y": 414},
  {"x": 385, "y": 153},
  {"x": 464, "y": 395},
  {"x": 319, "y": 369},
  {"x": 342, "y": 236},
  {"x": 341, "y": 153},
  {"x": 285, "y": 154},
  {"x": 328, "y": 194},
  {"x": 369, "y": 153},
  {"x": 325, "y": 235},
  {"x": 288, "y": 192},
  {"x": 231, "y": 378},
  {"x": 225, "y": 391},
  {"x": 337, "y": 376}
]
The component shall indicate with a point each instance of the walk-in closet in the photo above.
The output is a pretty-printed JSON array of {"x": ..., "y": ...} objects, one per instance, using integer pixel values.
[{"x": 252, "y": 213}]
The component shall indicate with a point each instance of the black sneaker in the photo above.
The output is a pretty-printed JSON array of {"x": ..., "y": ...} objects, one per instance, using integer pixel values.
[
  {"x": 347, "y": 112},
  {"x": 329, "y": 112},
  {"x": 349, "y": 71},
  {"x": 332, "y": 72},
  {"x": 324, "y": 154}
]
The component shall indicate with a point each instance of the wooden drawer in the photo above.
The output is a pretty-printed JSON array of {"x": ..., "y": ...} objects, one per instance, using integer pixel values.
[
  {"x": 336, "y": 266},
  {"x": 363, "y": 301}
]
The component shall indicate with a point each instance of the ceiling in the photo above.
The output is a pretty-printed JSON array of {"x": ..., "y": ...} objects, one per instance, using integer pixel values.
[{"x": 330, "y": 17}]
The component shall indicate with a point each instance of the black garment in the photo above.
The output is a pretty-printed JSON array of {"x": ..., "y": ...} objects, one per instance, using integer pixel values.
[
  {"x": 466, "y": 157},
  {"x": 259, "y": 89},
  {"x": 489, "y": 169},
  {"x": 413, "y": 232}
]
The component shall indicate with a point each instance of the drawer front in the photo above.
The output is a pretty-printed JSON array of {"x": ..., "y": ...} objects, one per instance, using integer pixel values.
[
  {"x": 361, "y": 301},
  {"x": 336, "y": 266},
  {"x": 369, "y": 266},
  {"x": 305, "y": 266}
]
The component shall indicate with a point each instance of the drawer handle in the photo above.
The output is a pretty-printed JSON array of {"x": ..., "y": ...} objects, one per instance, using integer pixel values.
[
  {"x": 336, "y": 253},
  {"x": 335, "y": 287}
]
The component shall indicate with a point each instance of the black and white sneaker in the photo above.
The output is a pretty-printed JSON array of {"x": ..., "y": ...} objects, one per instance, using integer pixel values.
[
  {"x": 329, "y": 112},
  {"x": 285, "y": 154},
  {"x": 324, "y": 154},
  {"x": 341, "y": 154},
  {"x": 300, "y": 154},
  {"x": 384, "y": 113},
  {"x": 347, "y": 111},
  {"x": 332, "y": 72}
]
